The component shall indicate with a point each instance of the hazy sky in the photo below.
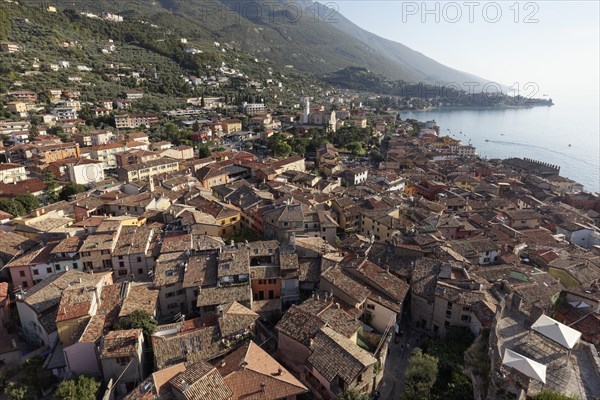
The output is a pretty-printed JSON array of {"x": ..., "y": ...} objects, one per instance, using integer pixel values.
[{"x": 559, "y": 51}]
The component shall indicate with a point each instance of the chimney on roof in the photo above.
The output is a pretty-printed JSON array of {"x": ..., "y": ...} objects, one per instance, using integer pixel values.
[{"x": 262, "y": 387}]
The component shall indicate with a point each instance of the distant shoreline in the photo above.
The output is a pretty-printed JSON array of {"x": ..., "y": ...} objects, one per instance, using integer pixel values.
[{"x": 476, "y": 108}]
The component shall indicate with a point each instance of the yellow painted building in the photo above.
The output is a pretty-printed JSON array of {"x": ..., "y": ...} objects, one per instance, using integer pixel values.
[{"x": 231, "y": 126}]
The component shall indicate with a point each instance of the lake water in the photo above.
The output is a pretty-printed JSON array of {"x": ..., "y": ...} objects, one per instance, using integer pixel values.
[{"x": 541, "y": 133}]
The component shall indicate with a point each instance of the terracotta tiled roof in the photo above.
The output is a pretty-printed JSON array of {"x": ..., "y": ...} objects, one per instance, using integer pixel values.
[
  {"x": 288, "y": 258},
  {"x": 262, "y": 248},
  {"x": 286, "y": 161},
  {"x": 176, "y": 243},
  {"x": 340, "y": 321},
  {"x": 120, "y": 343},
  {"x": 208, "y": 172},
  {"x": 234, "y": 262},
  {"x": 224, "y": 294},
  {"x": 46, "y": 294},
  {"x": 98, "y": 242},
  {"x": 347, "y": 284},
  {"x": 161, "y": 378},
  {"x": 201, "y": 381},
  {"x": 424, "y": 278},
  {"x": 3, "y": 291},
  {"x": 523, "y": 214},
  {"x": 26, "y": 186},
  {"x": 94, "y": 329},
  {"x": 133, "y": 240},
  {"x": 169, "y": 269},
  {"x": 299, "y": 324},
  {"x": 310, "y": 269},
  {"x": 265, "y": 272},
  {"x": 201, "y": 271},
  {"x": 471, "y": 247},
  {"x": 334, "y": 354},
  {"x": 203, "y": 343},
  {"x": 484, "y": 312},
  {"x": 380, "y": 279},
  {"x": 266, "y": 306},
  {"x": 260, "y": 377},
  {"x": 287, "y": 213},
  {"x": 7, "y": 166},
  {"x": 110, "y": 302},
  {"x": 140, "y": 297},
  {"x": 68, "y": 245},
  {"x": 75, "y": 303},
  {"x": 236, "y": 318}
]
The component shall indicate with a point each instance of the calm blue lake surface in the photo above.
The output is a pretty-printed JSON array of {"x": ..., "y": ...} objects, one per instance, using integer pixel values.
[{"x": 541, "y": 133}]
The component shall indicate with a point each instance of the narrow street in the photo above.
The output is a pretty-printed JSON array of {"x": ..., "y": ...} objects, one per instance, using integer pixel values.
[{"x": 392, "y": 384}]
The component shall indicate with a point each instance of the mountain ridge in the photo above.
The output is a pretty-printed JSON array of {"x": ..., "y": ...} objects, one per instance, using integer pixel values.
[{"x": 311, "y": 45}]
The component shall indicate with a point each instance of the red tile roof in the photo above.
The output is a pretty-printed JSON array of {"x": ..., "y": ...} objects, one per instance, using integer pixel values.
[
  {"x": 260, "y": 373},
  {"x": 32, "y": 185}
]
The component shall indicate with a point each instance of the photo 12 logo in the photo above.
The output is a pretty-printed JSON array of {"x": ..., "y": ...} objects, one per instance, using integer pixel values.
[
  {"x": 469, "y": 11},
  {"x": 289, "y": 12},
  {"x": 468, "y": 91}
]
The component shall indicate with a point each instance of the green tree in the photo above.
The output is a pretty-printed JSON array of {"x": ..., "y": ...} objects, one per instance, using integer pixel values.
[
  {"x": 298, "y": 145},
  {"x": 50, "y": 193},
  {"x": 57, "y": 131},
  {"x": 82, "y": 388},
  {"x": 29, "y": 202},
  {"x": 420, "y": 376},
  {"x": 36, "y": 376},
  {"x": 34, "y": 131},
  {"x": 550, "y": 395},
  {"x": 356, "y": 148},
  {"x": 69, "y": 190},
  {"x": 459, "y": 387},
  {"x": 138, "y": 319},
  {"x": 171, "y": 132},
  {"x": 203, "y": 151},
  {"x": 12, "y": 207},
  {"x": 376, "y": 156},
  {"x": 281, "y": 149},
  {"x": 352, "y": 394},
  {"x": 242, "y": 235},
  {"x": 17, "y": 391}
]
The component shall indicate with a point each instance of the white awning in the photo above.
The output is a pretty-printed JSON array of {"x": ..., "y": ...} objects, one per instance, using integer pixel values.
[
  {"x": 579, "y": 304},
  {"x": 527, "y": 366},
  {"x": 554, "y": 330}
]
